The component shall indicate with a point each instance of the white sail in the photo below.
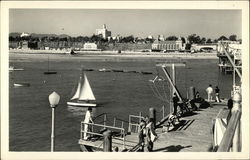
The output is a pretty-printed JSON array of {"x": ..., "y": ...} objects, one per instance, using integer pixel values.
[
  {"x": 86, "y": 91},
  {"x": 76, "y": 95}
]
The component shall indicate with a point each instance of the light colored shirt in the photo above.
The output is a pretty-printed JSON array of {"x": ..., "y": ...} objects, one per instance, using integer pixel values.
[
  {"x": 87, "y": 117},
  {"x": 209, "y": 90}
]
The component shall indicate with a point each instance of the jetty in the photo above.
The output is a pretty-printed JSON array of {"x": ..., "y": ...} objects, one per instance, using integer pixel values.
[{"x": 194, "y": 133}]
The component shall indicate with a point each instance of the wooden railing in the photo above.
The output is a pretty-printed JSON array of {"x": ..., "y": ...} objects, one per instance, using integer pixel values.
[
  {"x": 131, "y": 123},
  {"x": 231, "y": 140},
  {"x": 121, "y": 130},
  {"x": 227, "y": 140}
]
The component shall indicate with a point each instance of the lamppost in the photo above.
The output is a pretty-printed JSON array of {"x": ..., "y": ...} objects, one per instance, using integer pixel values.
[{"x": 53, "y": 100}]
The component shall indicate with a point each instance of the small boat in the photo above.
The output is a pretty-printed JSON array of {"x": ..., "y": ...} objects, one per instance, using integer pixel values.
[
  {"x": 11, "y": 68},
  {"x": 21, "y": 84},
  {"x": 50, "y": 72},
  {"x": 104, "y": 70},
  {"x": 90, "y": 69},
  {"x": 146, "y": 72},
  {"x": 72, "y": 52},
  {"x": 83, "y": 96},
  {"x": 117, "y": 70},
  {"x": 131, "y": 71}
]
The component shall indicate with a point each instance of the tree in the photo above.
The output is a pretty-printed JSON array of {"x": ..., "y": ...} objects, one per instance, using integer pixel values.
[
  {"x": 203, "y": 40},
  {"x": 95, "y": 38},
  {"x": 209, "y": 40},
  {"x": 194, "y": 39},
  {"x": 171, "y": 38},
  {"x": 183, "y": 40},
  {"x": 128, "y": 39},
  {"x": 233, "y": 38},
  {"x": 222, "y": 38}
]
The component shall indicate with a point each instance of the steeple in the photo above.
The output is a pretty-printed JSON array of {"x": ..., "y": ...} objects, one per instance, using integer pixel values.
[{"x": 104, "y": 26}]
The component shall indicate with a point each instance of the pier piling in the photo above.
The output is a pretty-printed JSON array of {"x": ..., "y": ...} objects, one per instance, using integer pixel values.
[
  {"x": 152, "y": 115},
  {"x": 107, "y": 141}
]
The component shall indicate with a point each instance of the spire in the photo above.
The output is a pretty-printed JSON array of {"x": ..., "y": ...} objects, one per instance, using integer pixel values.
[{"x": 104, "y": 26}]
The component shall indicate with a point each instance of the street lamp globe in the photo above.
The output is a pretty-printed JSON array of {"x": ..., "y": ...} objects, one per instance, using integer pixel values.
[{"x": 54, "y": 99}]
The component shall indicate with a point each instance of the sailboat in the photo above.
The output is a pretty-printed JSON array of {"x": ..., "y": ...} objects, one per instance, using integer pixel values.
[
  {"x": 83, "y": 96},
  {"x": 49, "y": 71}
]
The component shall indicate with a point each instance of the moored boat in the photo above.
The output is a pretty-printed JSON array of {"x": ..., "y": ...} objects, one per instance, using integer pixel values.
[
  {"x": 146, "y": 72},
  {"x": 12, "y": 68},
  {"x": 21, "y": 84},
  {"x": 104, "y": 70},
  {"x": 117, "y": 70}
]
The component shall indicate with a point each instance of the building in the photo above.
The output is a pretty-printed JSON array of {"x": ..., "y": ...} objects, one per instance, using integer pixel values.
[
  {"x": 103, "y": 32},
  {"x": 90, "y": 46},
  {"x": 24, "y": 35},
  {"x": 161, "y": 38},
  {"x": 168, "y": 45},
  {"x": 203, "y": 47},
  {"x": 24, "y": 45}
]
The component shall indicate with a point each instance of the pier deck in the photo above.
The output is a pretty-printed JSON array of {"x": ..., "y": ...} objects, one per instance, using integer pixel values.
[{"x": 192, "y": 134}]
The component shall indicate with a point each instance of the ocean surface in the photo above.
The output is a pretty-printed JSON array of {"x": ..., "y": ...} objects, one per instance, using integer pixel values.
[{"x": 119, "y": 94}]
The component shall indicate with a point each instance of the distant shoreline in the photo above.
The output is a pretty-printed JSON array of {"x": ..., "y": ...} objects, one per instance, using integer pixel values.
[{"x": 106, "y": 55}]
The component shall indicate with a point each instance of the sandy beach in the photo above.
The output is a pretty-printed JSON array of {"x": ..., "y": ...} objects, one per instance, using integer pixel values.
[{"x": 106, "y": 55}]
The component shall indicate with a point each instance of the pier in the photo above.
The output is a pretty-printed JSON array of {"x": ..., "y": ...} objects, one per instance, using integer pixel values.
[{"x": 193, "y": 133}]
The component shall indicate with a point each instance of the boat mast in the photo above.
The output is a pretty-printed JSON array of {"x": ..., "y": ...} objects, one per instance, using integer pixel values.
[{"x": 48, "y": 62}]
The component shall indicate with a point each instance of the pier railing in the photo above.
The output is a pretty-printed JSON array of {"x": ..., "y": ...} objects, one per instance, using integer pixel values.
[
  {"x": 104, "y": 120},
  {"x": 231, "y": 140},
  {"x": 121, "y": 131},
  {"x": 133, "y": 123}
]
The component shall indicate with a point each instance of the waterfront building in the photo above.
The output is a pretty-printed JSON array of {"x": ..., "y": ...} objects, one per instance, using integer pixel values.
[
  {"x": 24, "y": 34},
  {"x": 167, "y": 45},
  {"x": 90, "y": 46},
  {"x": 24, "y": 45},
  {"x": 161, "y": 38},
  {"x": 103, "y": 32},
  {"x": 150, "y": 37},
  {"x": 203, "y": 47}
]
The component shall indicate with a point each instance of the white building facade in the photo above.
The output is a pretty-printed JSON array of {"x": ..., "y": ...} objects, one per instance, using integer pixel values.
[
  {"x": 90, "y": 46},
  {"x": 103, "y": 32},
  {"x": 168, "y": 45}
]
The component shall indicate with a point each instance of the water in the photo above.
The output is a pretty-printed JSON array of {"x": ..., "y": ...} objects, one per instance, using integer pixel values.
[{"x": 119, "y": 94}]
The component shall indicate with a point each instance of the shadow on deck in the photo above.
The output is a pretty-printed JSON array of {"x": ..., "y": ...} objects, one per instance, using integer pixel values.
[{"x": 192, "y": 134}]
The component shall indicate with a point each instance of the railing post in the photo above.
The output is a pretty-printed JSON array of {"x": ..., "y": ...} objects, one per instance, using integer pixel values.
[
  {"x": 107, "y": 141},
  {"x": 114, "y": 122},
  {"x": 104, "y": 121},
  {"x": 163, "y": 112},
  {"x": 236, "y": 146},
  {"x": 122, "y": 125},
  {"x": 140, "y": 117},
  {"x": 137, "y": 127},
  {"x": 81, "y": 131},
  {"x": 152, "y": 115},
  {"x": 129, "y": 124}
]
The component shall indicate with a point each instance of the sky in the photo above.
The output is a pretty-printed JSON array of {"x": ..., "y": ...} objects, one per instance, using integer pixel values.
[{"x": 138, "y": 22}]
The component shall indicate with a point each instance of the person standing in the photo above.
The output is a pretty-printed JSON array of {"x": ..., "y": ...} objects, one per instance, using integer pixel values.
[
  {"x": 142, "y": 134},
  {"x": 151, "y": 135},
  {"x": 87, "y": 119},
  {"x": 175, "y": 103},
  {"x": 209, "y": 91},
  {"x": 217, "y": 94}
]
